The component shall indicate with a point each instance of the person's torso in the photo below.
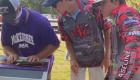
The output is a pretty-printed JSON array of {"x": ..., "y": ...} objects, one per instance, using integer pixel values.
[
  {"x": 84, "y": 35},
  {"x": 128, "y": 24},
  {"x": 25, "y": 38}
]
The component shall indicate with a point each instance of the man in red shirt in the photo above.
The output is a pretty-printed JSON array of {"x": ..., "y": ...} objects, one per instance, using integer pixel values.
[
  {"x": 127, "y": 25},
  {"x": 75, "y": 32}
]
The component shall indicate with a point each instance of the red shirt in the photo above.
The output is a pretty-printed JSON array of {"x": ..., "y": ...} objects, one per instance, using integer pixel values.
[
  {"x": 63, "y": 34},
  {"x": 127, "y": 20}
]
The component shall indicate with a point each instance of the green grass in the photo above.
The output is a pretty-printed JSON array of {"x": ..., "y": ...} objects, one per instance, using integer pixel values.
[
  {"x": 61, "y": 68},
  {"x": 1, "y": 50}
]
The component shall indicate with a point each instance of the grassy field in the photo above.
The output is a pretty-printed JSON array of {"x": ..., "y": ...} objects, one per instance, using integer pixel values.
[
  {"x": 61, "y": 68},
  {"x": 1, "y": 51}
]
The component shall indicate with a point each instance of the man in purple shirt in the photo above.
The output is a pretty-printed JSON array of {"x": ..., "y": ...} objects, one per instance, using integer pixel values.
[{"x": 26, "y": 33}]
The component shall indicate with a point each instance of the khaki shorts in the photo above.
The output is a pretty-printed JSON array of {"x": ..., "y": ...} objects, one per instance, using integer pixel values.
[{"x": 95, "y": 73}]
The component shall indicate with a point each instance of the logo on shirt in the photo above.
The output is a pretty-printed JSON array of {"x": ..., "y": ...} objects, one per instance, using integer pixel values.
[
  {"x": 130, "y": 20},
  {"x": 133, "y": 33},
  {"x": 124, "y": 66},
  {"x": 81, "y": 30},
  {"x": 23, "y": 40}
]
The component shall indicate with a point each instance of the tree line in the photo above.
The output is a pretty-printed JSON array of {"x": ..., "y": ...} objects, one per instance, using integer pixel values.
[{"x": 37, "y": 5}]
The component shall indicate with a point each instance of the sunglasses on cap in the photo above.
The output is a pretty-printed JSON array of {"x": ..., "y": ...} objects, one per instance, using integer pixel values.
[
  {"x": 3, "y": 10},
  {"x": 54, "y": 5}
]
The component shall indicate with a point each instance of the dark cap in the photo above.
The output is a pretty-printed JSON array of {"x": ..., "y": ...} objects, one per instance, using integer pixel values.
[
  {"x": 7, "y": 10},
  {"x": 122, "y": 1},
  {"x": 6, "y": 6},
  {"x": 48, "y": 3}
]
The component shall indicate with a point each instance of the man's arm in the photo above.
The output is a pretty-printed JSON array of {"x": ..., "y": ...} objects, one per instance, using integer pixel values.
[
  {"x": 65, "y": 37},
  {"x": 8, "y": 50},
  {"x": 73, "y": 61},
  {"x": 12, "y": 55},
  {"x": 47, "y": 51},
  {"x": 49, "y": 38},
  {"x": 107, "y": 42},
  {"x": 106, "y": 61},
  {"x": 71, "y": 51}
]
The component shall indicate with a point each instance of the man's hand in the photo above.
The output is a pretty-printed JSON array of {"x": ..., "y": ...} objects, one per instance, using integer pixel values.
[
  {"x": 12, "y": 58},
  {"x": 74, "y": 66},
  {"x": 12, "y": 55},
  {"x": 33, "y": 58},
  {"x": 106, "y": 64}
]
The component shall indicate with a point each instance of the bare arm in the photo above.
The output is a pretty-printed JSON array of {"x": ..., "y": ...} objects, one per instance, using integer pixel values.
[
  {"x": 107, "y": 44},
  {"x": 12, "y": 55},
  {"x": 106, "y": 61},
  {"x": 47, "y": 51},
  {"x": 71, "y": 51},
  {"x": 73, "y": 61},
  {"x": 8, "y": 50}
]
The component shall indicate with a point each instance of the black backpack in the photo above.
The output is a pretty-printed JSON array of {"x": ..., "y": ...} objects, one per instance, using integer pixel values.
[{"x": 86, "y": 38}]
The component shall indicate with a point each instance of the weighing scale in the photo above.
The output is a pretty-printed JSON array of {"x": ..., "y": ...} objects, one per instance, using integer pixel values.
[{"x": 23, "y": 70}]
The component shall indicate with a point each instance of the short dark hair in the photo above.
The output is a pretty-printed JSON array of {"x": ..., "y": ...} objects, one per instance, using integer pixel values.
[{"x": 120, "y": 1}]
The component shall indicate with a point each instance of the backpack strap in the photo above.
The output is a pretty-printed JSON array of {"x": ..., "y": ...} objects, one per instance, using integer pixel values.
[{"x": 27, "y": 15}]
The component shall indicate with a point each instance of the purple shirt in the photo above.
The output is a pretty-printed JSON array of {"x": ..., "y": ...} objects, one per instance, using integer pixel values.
[{"x": 31, "y": 36}]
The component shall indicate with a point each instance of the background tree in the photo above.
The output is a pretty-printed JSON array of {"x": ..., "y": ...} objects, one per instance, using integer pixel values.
[
  {"x": 37, "y": 5},
  {"x": 134, "y": 3}
]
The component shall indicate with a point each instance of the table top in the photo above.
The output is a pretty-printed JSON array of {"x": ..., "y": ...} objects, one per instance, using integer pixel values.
[{"x": 24, "y": 65}]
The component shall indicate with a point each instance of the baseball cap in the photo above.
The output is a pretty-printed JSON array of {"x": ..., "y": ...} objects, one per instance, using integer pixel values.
[
  {"x": 90, "y": 1},
  {"x": 8, "y": 9},
  {"x": 48, "y": 3},
  {"x": 122, "y": 1},
  {"x": 96, "y": 1},
  {"x": 5, "y": 4},
  {"x": 15, "y": 3}
]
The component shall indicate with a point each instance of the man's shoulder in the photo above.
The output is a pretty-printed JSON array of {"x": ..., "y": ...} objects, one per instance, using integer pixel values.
[
  {"x": 128, "y": 11},
  {"x": 127, "y": 14},
  {"x": 36, "y": 15}
]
